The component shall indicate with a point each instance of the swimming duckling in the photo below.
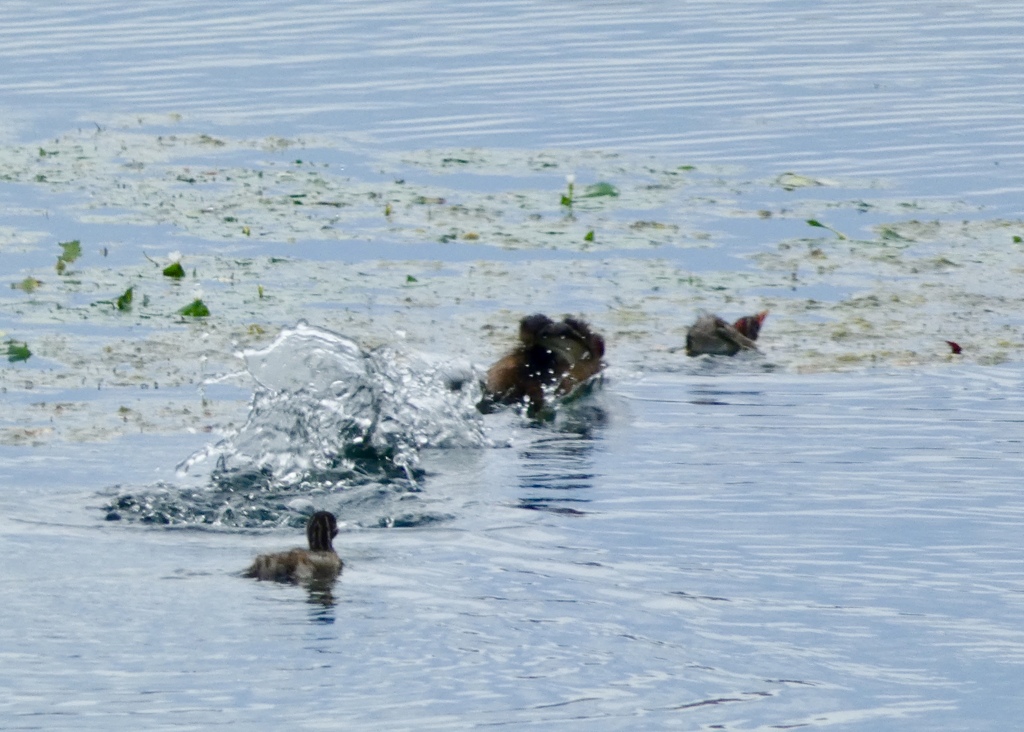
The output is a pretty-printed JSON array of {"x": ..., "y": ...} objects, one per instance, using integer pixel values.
[
  {"x": 320, "y": 562},
  {"x": 713, "y": 336},
  {"x": 552, "y": 357}
]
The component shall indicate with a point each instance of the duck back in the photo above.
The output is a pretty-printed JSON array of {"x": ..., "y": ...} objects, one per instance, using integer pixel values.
[{"x": 319, "y": 562}]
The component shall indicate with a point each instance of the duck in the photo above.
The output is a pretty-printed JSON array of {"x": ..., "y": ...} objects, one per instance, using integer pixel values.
[
  {"x": 318, "y": 563},
  {"x": 714, "y": 336},
  {"x": 552, "y": 358}
]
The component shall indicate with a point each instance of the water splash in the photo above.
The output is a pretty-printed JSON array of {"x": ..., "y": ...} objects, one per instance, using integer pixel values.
[{"x": 327, "y": 417}]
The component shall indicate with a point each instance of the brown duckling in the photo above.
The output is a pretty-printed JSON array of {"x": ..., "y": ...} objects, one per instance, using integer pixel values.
[
  {"x": 319, "y": 562},
  {"x": 551, "y": 358},
  {"x": 713, "y": 336}
]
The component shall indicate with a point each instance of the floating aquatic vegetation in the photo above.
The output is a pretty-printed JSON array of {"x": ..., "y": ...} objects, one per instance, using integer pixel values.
[
  {"x": 818, "y": 224},
  {"x": 570, "y": 186},
  {"x": 29, "y": 285},
  {"x": 124, "y": 301},
  {"x": 793, "y": 181},
  {"x": 677, "y": 238},
  {"x": 71, "y": 250},
  {"x": 334, "y": 425},
  {"x": 174, "y": 271},
  {"x": 598, "y": 190},
  {"x": 17, "y": 351},
  {"x": 16, "y": 240},
  {"x": 195, "y": 309}
]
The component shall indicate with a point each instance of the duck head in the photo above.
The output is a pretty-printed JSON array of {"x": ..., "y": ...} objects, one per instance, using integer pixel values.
[{"x": 321, "y": 530}]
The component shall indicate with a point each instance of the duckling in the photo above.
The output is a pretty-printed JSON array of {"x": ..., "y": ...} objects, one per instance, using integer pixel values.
[
  {"x": 320, "y": 562},
  {"x": 712, "y": 335},
  {"x": 562, "y": 355}
]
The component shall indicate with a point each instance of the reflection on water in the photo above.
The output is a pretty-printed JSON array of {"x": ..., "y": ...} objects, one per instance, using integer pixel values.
[
  {"x": 557, "y": 473},
  {"x": 321, "y": 600},
  {"x": 557, "y": 469}
]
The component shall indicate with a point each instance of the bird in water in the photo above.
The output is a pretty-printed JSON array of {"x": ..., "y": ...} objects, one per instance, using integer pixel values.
[
  {"x": 318, "y": 563},
  {"x": 553, "y": 358},
  {"x": 714, "y": 336}
]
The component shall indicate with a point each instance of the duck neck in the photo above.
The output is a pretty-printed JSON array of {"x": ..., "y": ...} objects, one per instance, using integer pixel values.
[{"x": 320, "y": 531}]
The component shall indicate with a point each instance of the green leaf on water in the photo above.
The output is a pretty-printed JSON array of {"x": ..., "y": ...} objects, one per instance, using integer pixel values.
[
  {"x": 566, "y": 200},
  {"x": 196, "y": 309},
  {"x": 72, "y": 250},
  {"x": 174, "y": 270},
  {"x": 29, "y": 284},
  {"x": 124, "y": 302},
  {"x": 600, "y": 189},
  {"x": 589, "y": 236},
  {"x": 1018, "y": 240},
  {"x": 17, "y": 351},
  {"x": 409, "y": 279}
]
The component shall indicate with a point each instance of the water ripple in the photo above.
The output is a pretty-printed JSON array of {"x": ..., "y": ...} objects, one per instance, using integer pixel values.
[{"x": 881, "y": 89}]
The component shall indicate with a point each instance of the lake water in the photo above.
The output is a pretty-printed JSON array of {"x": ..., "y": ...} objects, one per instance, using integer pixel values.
[{"x": 825, "y": 535}]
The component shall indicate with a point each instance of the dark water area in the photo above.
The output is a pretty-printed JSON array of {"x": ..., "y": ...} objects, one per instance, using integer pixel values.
[{"x": 369, "y": 197}]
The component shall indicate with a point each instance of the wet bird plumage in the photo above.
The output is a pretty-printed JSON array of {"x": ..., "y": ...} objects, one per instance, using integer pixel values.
[
  {"x": 553, "y": 358},
  {"x": 711, "y": 335},
  {"x": 319, "y": 562}
]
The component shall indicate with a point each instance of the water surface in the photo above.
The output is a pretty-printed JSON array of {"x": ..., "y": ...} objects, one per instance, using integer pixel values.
[
  {"x": 693, "y": 563},
  {"x": 824, "y": 536}
]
